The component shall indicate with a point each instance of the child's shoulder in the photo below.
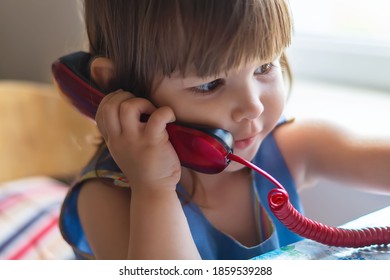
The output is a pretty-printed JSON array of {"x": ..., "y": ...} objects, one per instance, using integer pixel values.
[
  {"x": 310, "y": 133},
  {"x": 300, "y": 141},
  {"x": 104, "y": 214}
]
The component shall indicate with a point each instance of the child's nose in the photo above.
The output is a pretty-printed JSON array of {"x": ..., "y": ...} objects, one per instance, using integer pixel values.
[{"x": 247, "y": 104}]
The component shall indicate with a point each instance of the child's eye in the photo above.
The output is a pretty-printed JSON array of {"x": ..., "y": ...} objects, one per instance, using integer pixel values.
[
  {"x": 264, "y": 69},
  {"x": 208, "y": 87}
]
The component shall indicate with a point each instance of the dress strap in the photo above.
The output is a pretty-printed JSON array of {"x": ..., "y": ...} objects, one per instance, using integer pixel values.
[{"x": 103, "y": 166}]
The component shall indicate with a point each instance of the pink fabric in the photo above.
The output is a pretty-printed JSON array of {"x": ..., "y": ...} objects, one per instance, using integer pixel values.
[{"x": 29, "y": 212}]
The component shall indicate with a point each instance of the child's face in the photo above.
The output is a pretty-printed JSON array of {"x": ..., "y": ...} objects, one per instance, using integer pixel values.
[{"x": 247, "y": 102}]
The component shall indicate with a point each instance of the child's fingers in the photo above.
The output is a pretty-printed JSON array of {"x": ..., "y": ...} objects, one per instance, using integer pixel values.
[
  {"x": 107, "y": 115},
  {"x": 120, "y": 113},
  {"x": 156, "y": 128},
  {"x": 130, "y": 113}
]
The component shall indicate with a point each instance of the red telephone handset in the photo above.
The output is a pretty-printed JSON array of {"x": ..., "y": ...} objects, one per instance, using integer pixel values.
[{"x": 209, "y": 150}]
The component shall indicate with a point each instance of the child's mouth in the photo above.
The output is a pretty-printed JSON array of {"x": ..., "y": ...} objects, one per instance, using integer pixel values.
[{"x": 244, "y": 143}]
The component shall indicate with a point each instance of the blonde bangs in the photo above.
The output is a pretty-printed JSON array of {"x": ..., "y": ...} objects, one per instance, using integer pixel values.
[
  {"x": 218, "y": 40},
  {"x": 149, "y": 38}
]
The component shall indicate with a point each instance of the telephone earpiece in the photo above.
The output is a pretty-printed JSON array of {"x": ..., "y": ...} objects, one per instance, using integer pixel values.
[{"x": 201, "y": 148}]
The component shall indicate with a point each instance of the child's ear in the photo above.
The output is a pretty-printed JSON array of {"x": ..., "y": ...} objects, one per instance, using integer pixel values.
[{"x": 102, "y": 72}]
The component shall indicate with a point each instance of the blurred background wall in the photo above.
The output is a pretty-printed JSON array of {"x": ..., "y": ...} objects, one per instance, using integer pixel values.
[
  {"x": 34, "y": 33},
  {"x": 40, "y": 133}
]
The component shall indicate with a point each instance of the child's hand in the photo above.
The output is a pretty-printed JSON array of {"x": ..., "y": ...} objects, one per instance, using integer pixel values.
[{"x": 141, "y": 149}]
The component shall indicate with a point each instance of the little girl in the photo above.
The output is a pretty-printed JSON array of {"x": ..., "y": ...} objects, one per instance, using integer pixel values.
[{"x": 215, "y": 63}]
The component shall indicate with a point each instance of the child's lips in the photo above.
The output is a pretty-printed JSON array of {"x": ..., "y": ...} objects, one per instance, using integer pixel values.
[{"x": 244, "y": 143}]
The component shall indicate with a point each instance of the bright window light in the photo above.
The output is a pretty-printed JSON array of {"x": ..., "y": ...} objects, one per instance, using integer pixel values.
[
  {"x": 342, "y": 41},
  {"x": 347, "y": 19}
]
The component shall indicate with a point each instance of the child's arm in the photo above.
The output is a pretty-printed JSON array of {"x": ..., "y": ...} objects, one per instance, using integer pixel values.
[
  {"x": 149, "y": 223},
  {"x": 317, "y": 150},
  {"x": 159, "y": 228},
  {"x": 150, "y": 227}
]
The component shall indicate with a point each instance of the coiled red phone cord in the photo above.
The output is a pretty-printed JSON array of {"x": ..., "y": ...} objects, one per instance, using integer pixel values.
[{"x": 285, "y": 212}]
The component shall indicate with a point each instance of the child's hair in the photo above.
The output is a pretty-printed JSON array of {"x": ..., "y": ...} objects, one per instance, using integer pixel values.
[{"x": 146, "y": 39}]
